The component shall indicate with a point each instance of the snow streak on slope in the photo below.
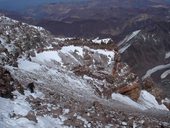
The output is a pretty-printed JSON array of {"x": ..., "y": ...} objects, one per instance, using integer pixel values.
[
  {"x": 165, "y": 74},
  {"x": 123, "y": 44},
  {"x": 155, "y": 69},
  {"x": 167, "y": 55}
]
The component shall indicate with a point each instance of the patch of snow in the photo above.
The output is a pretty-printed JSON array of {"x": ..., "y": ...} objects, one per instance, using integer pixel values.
[
  {"x": 167, "y": 55},
  {"x": 47, "y": 56},
  {"x": 124, "y": 45},
  {"x": 144, "y": 38},
  {"x": 123, "y": 49},
  {"x": 36, "y": 94},
  {"x": 127, "y": 38},
  {"x": 126, "y": 100},
  {"x": 37, "y": 27},
  {"x": 99, "y": 41},
  {"x": 165, "y": 74},
  {"x": 72, "y": 49},
  {"x": 124, "y": 123},
  {"x": 63, "y": 39},
  {"x": 149, "y": 101},
  {"x": 155, "y": 69},
  {"x": 166, "y": 100},
  {"x": 145, "y": 101},
  {"x": 87, "y": 77},
  {"x": 28, "y": 65},
  {"x": 86, "y": 123},
  {"x": 65, "y": 111},
  {"x": 109, "y": 54},
  {"x": 20, "y": 106},
  {"x": 49, "y": 122}
]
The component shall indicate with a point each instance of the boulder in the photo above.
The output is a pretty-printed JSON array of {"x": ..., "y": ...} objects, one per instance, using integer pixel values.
[
  {"x": 132, "y": 90},
  {"x": 8, "y": 84}
]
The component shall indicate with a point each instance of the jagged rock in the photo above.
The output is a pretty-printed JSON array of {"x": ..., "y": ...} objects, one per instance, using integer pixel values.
[
  {"x": 31, "y": 87},
  {"x": 81, "y": 70},
  {"x": 8, "y": 84},
  {"x": 6, "y": 87},
  {"x": 57, "y": 112},
  {"x": 132, "y": 90},
  {"x": 31, "y": 116},
  {"x": 150, "y": 86}
]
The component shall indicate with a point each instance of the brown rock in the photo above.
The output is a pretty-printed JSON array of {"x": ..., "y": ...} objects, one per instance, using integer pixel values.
[
  {"x": 132, "y": 90},
  {"x": 56, "y": 113},
  {"x": 31, "y": 116},
  {"x": 150, "y": 86}
]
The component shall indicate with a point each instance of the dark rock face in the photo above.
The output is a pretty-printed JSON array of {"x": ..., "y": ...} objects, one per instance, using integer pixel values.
[
  {"x": 31, "y": 87},
  {"x": 148, "y": 48},
  {"x": 8, "y": 84},
  {"x": 152, "y": 87}
]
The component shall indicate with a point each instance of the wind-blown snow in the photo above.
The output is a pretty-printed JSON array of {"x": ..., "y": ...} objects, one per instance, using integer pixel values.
[
  {"x": 145, "y": 101},
  {"x": 165, "y": 74},
  {"x": 167, "y": 55},
  {"x": 155, "y": 69},
  {"x": 99, "y": 41}
]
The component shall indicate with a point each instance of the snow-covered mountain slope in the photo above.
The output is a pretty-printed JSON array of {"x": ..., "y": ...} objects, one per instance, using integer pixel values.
[{"x": 78, "y": 83}]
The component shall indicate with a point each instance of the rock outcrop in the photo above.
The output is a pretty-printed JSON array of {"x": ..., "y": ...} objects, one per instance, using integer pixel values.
[{"x": 8, "y": 84}]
